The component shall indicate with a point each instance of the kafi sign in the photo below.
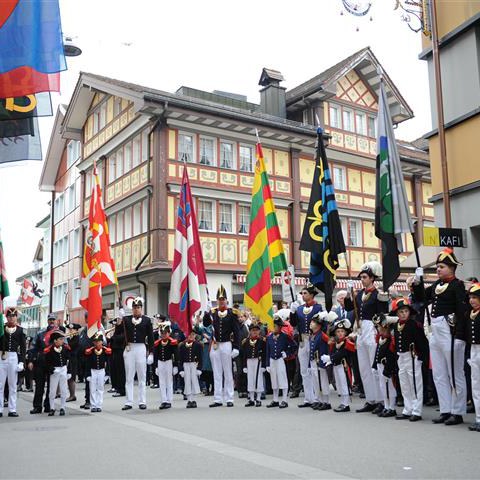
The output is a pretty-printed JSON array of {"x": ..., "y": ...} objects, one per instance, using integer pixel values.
[{"x": 443, "y": 237}]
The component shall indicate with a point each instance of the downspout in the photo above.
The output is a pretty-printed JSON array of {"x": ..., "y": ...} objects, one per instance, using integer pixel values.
[
  {"x": 150, "y": 193},
  {"x": 52, "y": 211}
]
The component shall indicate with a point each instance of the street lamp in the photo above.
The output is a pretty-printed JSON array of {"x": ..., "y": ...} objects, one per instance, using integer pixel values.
[{"x": 70, "y": 49}]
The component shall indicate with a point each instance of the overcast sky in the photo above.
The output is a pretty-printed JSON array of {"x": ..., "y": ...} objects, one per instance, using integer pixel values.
[{"x": 210, "y": 45}]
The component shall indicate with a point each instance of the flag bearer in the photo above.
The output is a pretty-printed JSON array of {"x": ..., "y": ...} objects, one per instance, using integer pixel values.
[
  {"x": 12, "y": 341},
  {"x": 253, "y": 355},
  {"x": 138, "y": 330},
  {"x": 96, "y": 362},
  {"x": 190, "y": 365},
  {"x": 224, "y": 347}
]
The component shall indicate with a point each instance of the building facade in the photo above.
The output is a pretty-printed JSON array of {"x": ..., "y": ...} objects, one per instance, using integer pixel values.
[
  {"x": 459, "y": 50},
  {"x": 142, "y": 139}
]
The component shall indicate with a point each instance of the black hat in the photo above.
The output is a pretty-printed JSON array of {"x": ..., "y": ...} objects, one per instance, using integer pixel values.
[
  {"x": 56, "y": 334},
  {"x": 400, "y": 303},
  {"x": 318, "y": 318},
  {"x": 278, "y": 321},
  {"x": 475, "y": 289},
  {"x": 221, "y": 292},
  {"x": 11, "y": 311},
  {"x": 161, "y": 316},
  {"x": 342, "y": 323},
  {"x": 310, "y": 288},
  {"x": 447, "y": 257},
  {"x": 97, "y": 336},
  {"x": 137, "y": 302},
  {"x": 74, "y": 326},
  {"x": 254, "y": 326},
  {"x": 372, "y": 269}
]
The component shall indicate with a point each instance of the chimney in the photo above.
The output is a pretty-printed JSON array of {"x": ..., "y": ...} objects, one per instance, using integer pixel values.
[{"x": 272, "y": 96}]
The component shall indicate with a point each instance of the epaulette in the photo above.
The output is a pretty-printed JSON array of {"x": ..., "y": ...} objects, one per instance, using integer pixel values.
[
  {"x": 88, "y": 351},
  {"x": 244, "y": 341},
  {"x": 173, "y": 341},
  {"x": 108, "y": 351},
  {"x": 214, "y": 309},
  {"x": 156, "y": 343},
  {"x": 47, "y": 349},
  {"x": 236, "y": 311}
]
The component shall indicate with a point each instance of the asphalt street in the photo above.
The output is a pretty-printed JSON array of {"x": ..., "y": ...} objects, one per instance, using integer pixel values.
[{"x": 230, "y": 443}]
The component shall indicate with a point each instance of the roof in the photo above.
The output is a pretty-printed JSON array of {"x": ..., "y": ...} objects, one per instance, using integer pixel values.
[
  {"x": 268, "y": 75},
  {"x": 323, "y": 85}
]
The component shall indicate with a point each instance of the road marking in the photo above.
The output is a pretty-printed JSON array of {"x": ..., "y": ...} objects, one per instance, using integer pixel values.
[{"x": 295, "y": 470}]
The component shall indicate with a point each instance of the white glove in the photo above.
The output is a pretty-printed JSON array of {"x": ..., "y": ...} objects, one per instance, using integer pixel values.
[
  {"x": 20, "y": 367},
  {"x": 235, "y": 353},
  {"x": 382, "y": 296},
  {"x": 326, "y": 359},
  {"x": 150, "y": 359},
  {"x": 284, "y": 355},
  {"x": 418, "y": 273},
  {"x": 469, "y": 361},
  {"x": 182, "y": 373},
  {"x": 156, "y": 372},
  {"x": 199, "y": 372},
  {"x": 245, "y": 370},
  {"x": 89, "y": 378},
  {"x": 294, "y": 306},
  {"x": 350, "y": 284},
  {"x": 69, "y": 376},
  {"x": 175, "y": 370},
  {"x": 121, "y": 313},
  {"x": 268, "y": 369},
  {"x": 331, "y": 316},
  {"x": 262, "y": 370}
]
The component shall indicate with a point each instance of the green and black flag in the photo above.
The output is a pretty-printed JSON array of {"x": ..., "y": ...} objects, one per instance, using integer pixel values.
[
  {"x": 322, "y": 233},
  {"x": 392, "y": 214}
]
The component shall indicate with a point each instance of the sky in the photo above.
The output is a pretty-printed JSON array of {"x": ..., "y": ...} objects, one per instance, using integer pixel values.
[{"x": 209, "y": 45}]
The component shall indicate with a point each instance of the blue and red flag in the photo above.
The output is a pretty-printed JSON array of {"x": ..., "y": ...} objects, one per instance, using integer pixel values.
[
  {"x": 31, "y": 36},
  {"x": 188, "y": 288},
  {"x": 23, "y": 81}
]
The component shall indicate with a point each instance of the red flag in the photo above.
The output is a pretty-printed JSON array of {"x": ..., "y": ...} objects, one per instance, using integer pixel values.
[
  {"x": 23, "y": 81},
  {"x": 27, "y": 292},
  {"x": 188, "y": 288},
  {"x": 98, "y": 266}
]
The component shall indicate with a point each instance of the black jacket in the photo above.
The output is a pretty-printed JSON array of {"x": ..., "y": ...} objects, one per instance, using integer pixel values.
[
  {"x": 190, "y": 352},
  {"x": 141, "y": 333},
  {"x": 411, "y": 333},
  {"x": 253, "y": 349},
  {"x": 226, "y": 328},
  {"x": 367, "y": 308},
  {"x": 14, "y": 342}
]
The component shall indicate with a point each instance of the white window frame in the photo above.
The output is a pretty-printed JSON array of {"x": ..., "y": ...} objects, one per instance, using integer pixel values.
[
  {"x": 369, "y": 120},
  {"x": 127, "y": 157},
  {"x": 59, "y": 292},
  {"x": 343, "y": 223},
  {"x": 76, "y": 293},
  {"x": 339, "y": 179},
  {"x": 335, "y": 116},
  {"x": 232, "y": 217},
  {"x": 184, "y": 156},
  {"x": 144, "y": 216},
  {"x": 357, "y": 228},
  {"x": 213, "y": 211},
  {"x": 112, "y": 161},
  {"x": 73, "y": 152},
  {"x": 234, "y": 156},
  {"x": 137, "y": 219},
  {"x": 208, "y": 162},
  {"x": 240, "y": 159},
  {"x": 69, "y": 199},
  {"x": 144, "y": 146},
  {"x": 127, "y": 223},
  {"x": 76, "y": 242},
  {"x": 247, "y": 224},
  {"x": 136, "y": 150},
  {"x": 348, "y": 120},
  {"x": 361, "y": 126},
  {"x": 59, "y": 208}
]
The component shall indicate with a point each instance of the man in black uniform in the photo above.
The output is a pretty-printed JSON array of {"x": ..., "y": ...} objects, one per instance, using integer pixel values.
[
  {"x": 117, "y": 344},
  {"x": 225, "y": 346},
  {"x": 39, "y": 367},
  {"x": 73, "y": 343},
  {"x": 138, "y": 329}
]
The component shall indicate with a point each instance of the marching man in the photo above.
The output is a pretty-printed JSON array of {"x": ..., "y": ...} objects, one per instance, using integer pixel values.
[
  {"x": 190, "y": 360},
  {"x": 138, "y": 330},
  {"x": 12, "y": 341},
  {"x": 165, "y": 354},
  {"x": 96, "y": 361},
  {"x": 301, "y": 316},
  {"x": 57, "y": 356},
  {"x": 253, "y": 355},
  {"x": 224, "y": 347}
]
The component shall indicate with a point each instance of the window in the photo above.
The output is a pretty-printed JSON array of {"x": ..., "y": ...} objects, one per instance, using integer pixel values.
[
  {"x": 76, "y": 293},
  {"x": 117, "y": 106},
  {"x": 335, "y": 119},
  {"x": 244, "y": 219},
  {"x": 246, "y": 158},
  {"x": 128, "y": 223},
  {"x": 144, "y": 216},
  {"x": 59, "y": 292},
  {"x": 226, "y": 155},
  {"x": 60, "y": 251},
  {"x": 73, "y": 152},
  {"x": 111, "y": 168},
  {"x": 137, "y": 219},
  {"x": 120, "y": 227},
  {"x": 96, "y": 120},
  {"x": 226, "y": 218},
  {"x": 103, "y": 116},
  {"x": 343, "y": 223},
  {"x": 354, "y": 233},
  {"x": 76, "y": 242},
  {"x": 59, "y": 208},
  {"x": 119, "y": 164},
  {"x": 185, "y": 148},
  {"x": 348, "y": 120},
  {"x": 69, "y": 199},
  {"x": 361, "y": 123},
  {"x": 205, "y": 215},
  {"x": 339, "y": 178},
  {"x": 112, "y": 228},
  {"x": 145, "y": 143},
  {"x": 136, "y": 151},
  {"x": 127, "y": 160},
  {"x": 372, "y": 129},
  {"x": 207, "y": 151},
  {"x": 88, "y": 183}
]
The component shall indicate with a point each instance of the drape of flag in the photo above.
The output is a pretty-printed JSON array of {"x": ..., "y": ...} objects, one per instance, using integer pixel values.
[
  {"x": 23, "y": 147},
  {"x": 31, "y": 36},
  {"x": 322, "y": 233},
  {"x": 188, "y": 288},
  {"x": 98, "y": 269},
  {"x": 26, "y": 80},
  {"x": 266, "y": 255},
  {"x": 27, "y": 296},
  {"x": 392, "y": 214},
  {"x": 4, "y": 290}
]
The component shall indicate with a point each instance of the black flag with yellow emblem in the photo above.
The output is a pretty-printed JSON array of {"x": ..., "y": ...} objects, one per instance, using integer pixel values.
[{"x": 322, "y": 233}]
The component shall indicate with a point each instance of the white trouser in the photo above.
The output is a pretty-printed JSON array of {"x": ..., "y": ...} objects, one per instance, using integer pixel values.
[
  {"x": 135, "y": 361},
  {"x": 97, "y": 387},
  {"x": 221, "y": 358},
  {"x": 389, "y": 393},
  {"x": 304, "y": 360},
  {"x": 320, "y": 394},
  {"x": 8, "y": 370},
  {"x": 278, "y": 374},
  {"x": 451, "y": 400},
  {"x": 366, "y": 349},
  {"x": 342, "y": 384},
  {"x": 252, "y": 376},
  {"x": 165, "y": 381},
  {"x": 412, "y": 404},
  {"x": 192, "y": 387},
  {"x": 58, "y": 379},
  {"x": 475, "y": 368}
]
